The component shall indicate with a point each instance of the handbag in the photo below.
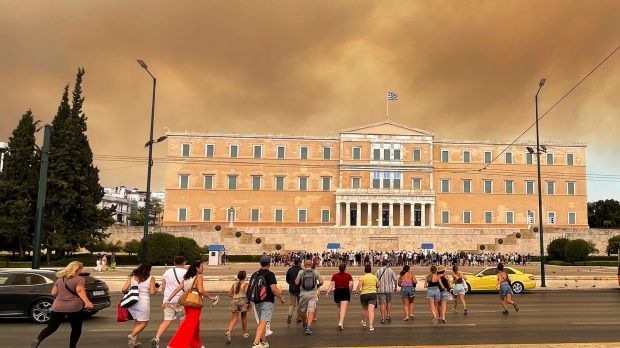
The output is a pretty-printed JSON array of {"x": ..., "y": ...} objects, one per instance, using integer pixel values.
[
  {"x": 192, "y": 298},
  {"x": 122, "y": 314},
  {"x": 131, "y": 297}
]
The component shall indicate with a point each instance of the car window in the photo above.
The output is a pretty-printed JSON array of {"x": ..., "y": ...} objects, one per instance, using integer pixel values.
[
  {"x": 489, "y": 272},
  {"x": 27, "y": 279},
  {"x": 4, "y": 279},
  {"x": 509, "y": 271}
]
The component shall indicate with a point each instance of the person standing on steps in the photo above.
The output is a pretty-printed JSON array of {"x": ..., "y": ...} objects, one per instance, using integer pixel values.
[
  {"x": 171, "y": 279},
  {"x": 293, "y": 290},
  {"x": 505, "y": 290}
]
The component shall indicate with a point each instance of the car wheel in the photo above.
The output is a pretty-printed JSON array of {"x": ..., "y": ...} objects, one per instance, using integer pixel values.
[
  {"x": 40, "y": 311},
  {"x": 517, "y": 288}
]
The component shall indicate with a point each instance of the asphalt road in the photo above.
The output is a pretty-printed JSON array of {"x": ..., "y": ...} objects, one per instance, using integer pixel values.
[{"x": 545, "y": 317}]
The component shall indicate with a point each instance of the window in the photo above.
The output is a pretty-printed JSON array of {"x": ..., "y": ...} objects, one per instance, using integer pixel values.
[
  {"x": 529, "y": 158},
  {"x": 551, "y": 217},
  {"x": 445, "y": 216},
  {"x": 488, "y": 156},
  {"x": 508, "y": 157},
  {"x": 467, "y": 217},
  {"x": 280, "y": 152},
  {"x": 232, "y": 182},
  {"x": 234, "y": 151},
  {"x": 210, "y": 150},
  {"x": 256, "y": 182},
  {"x": 570, "y": 159},
  {"x": 570, "y": 188},
  {"x": 386, "y": 180},
  {"x": 445, "y": 185},
  {"x": 397, "y": 152},
  {"x": 258, "y": 151},
  {"x": 301, "y": 215},
  {"x": 416, "y": 183},
  {"x": 376, "y": 152},
  {"x": 386, "y": 152},
  {"x": 488, "y": 217},
  {"x": 183, "y": 181},
  {"x": 531, "y": 217},
  {"x": 208, "y": 182},
  {"x": 445, "y": 156},
  {"x": 206, "y": 215},
  {"x": 182, "y": 216},
  {"x": 550, "y": 187},
  {"x": 488, "y": 186},
  {"x": 466, "y": 156},
  {"x": 255, "y": 215},
  {"x": 357, "y": 153},
  {"x": 327, "y": 184},
  {"x": 549, "y": 159},
  {"x": 417, "y": 155},
  {"x": 279, "y": 215},
  {"x": 279, "y": 183},
  {"x": 231, "y": 214},
  {"x": 510, "y": 217},
  {"x": 467, "y": 186},
  {"x": 509, "y": 186},
  {"x": 355, "y": 183},
  {"x": 572, "y": 218},
  {"x": 327, "y": 153},
  {"x": 397, "y": 176},
  {"x": 529, "y": 187},
  {"x": 303, "y": 183},
  {"x": 376, "y": 180},
  {"x": 185, "y": 149},
  {"x": 303, "y": 152},
  {"x": 325, "y": 215}
]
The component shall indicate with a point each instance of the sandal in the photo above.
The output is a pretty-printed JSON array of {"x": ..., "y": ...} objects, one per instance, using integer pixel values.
[
  {"x": 382, "y": 321},
  {"x": 388, "y": 318},
  {"x": 246, "y": 335}
]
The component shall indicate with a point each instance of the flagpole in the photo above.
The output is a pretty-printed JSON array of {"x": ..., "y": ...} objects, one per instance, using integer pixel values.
[{"x": 387, "y": 106}]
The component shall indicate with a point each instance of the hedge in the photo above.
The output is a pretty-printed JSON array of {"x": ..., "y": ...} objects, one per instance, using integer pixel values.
[
  {"x": 162, "y": 248},
  {"x": 189, "y": 249},
  {"x": 577, "y": 250},
  {"x": 243, "y": 258},
  {"x": 585, "y": 263}
]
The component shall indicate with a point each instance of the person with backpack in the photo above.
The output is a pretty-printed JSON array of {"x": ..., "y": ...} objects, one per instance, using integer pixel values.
[
  {"x": 307, "y": 279},
  {"x": 293, "y": 290},
  {"x": 171, "y": 279},
  {"x": 262, "y": 290}
]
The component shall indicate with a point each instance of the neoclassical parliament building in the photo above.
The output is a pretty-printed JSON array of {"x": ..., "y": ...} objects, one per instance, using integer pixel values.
[{"x": 380, "y": 175}]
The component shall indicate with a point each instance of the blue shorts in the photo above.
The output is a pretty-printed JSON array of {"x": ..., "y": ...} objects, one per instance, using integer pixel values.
[
  {"x": 264, "y": 310},
  {"x": 459, "y": 289},
  {"x": 445, "y": 296},
  {"x": 432, "y": 293},
  {"x": 505, "y": 289},
  {"x": 407, "y": 291}
]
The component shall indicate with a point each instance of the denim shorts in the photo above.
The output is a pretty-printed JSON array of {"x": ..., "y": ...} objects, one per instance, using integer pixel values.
[
  {"x": 432, "y": 293},
  {"x": 459, "y": 289},
  {"x": 444, "y": 296},
  {"x": 505, "y": 289},
  {"x": 264, "y": 310},
  {"x": 407, "y": 291}
]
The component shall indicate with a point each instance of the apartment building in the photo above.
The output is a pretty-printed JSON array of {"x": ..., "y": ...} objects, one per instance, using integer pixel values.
[{"x": 383, "y": 174}]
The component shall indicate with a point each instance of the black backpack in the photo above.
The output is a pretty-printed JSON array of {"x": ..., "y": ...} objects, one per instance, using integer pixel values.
[
  {"x": 257, "y": 288},
  {"x": 308, "y": 280}
]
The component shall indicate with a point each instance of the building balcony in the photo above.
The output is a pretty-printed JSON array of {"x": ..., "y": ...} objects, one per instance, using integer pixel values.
[{"x": 371, "y": 194}]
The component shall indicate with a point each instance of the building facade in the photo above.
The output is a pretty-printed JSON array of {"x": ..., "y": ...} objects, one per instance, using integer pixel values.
[{"x": 379, "y": 175}]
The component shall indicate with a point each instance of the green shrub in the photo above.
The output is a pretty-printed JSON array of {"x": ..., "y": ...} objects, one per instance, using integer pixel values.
[
  {"x": 612, "y": 245},
  {"x": 556, "y": 249},
  {"x": 126, "y": 260},
  {"x": 132, "y": 247},
  {"x": 602, "y": 258},
  {"x": 189, "y": 249},
  {"x": 577, "y": 250},
  {"x": 244, "y": 258},
  {"x": 161, "y": 249}
]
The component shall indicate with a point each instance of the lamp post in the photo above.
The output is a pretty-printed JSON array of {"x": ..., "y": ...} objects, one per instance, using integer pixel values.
[
  {"x": 540, "y": 211},
  {"x": 147, "y": 204},
  {"x": 231, "y": 212}
]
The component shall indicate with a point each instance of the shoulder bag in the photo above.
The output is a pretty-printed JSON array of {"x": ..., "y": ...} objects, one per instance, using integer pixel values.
[
  {"x": 131, "y": 297},
  {"x": 84, "y": 308},
  {"x": 192, "y": 298}
]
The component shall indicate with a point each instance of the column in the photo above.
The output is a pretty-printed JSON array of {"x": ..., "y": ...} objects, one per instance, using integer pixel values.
[
  {"x": 391, "y": 215},
  {"x": 369, "y": 216},
  {"x": 358, "y": 221},
  {"x": 423, "y": 214},
  {"x": 401, "y": 206},
  {"x": 412, "y": 214},
  {"x": 347, "y": 214},
  {"x": 338, "y": 212},
  {"x": 432, "y": 217}
]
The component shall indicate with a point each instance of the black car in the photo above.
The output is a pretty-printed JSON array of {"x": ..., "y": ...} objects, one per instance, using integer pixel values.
[{"x": 25, "y": 293}]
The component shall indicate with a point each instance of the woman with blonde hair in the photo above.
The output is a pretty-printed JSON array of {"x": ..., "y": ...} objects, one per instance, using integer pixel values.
[
  {"x": 70, "y": 299},
  {"x": 141, "y": 311},
  {"x": 238, "y": 305}
]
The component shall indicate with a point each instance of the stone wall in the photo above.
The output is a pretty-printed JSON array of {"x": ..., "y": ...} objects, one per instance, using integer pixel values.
[{"x": 315, "y": 239}]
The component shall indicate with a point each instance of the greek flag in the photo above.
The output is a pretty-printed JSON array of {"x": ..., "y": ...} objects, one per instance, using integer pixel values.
[{"x": 392, "y": 96}]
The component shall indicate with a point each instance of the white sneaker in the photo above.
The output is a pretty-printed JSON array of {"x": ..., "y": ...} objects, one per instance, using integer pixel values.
[
  {"x": 265, "y": 344},
  {"x": 155, "y": 342},
  {"x": 372, "y": 328},
  {"x": 268, "y": 332},
  {"x": 363, "y": 323}
]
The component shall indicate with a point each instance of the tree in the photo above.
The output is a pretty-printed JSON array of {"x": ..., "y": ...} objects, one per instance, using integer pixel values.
[
  {"x": 132, "y": 247},
  {"x": 189, "y": 249},
  {"x": 162, "y": 248},
  {"x": 576, "y": 250},
  {"x": 138, "y": 217},
  {"x": 612, "y": 245},
  {"x": 19, "y": 186},
  {"x": 604, "y": 214},
  {"x": 556, "y": 249}
]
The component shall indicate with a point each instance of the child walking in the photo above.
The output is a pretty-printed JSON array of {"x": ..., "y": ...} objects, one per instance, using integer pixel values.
[{"x": 238, "y": 305}]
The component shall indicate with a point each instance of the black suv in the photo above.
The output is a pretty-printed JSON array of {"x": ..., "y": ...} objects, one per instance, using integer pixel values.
[{"x": 25, "y": 293}]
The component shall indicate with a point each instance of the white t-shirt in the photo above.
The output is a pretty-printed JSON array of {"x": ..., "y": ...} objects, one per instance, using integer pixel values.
[{"x": 172, "y": 283}]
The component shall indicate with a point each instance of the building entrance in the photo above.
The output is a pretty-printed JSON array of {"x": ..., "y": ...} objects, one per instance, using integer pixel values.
[
  {"x": 385, "y": 221},
  {"x": 353, "y": 219},
  {"x": 417, "y": 218}
]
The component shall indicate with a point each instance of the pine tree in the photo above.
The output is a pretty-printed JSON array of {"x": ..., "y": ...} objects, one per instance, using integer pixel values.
[{"x": 19, "y": 186}]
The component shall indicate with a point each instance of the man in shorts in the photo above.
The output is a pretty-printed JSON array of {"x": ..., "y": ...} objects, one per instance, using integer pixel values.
[
  {"x": 171, "y": 280},
  {"x": 389, "y": 283},
  {"x": 264, "y": 309},
  {"x": 309, "y": 281}
]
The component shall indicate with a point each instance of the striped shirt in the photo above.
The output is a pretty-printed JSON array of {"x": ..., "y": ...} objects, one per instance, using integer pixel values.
[{"x": 386, "y": 277}]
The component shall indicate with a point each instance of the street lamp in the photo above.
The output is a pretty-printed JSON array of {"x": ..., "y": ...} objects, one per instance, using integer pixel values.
[
  {"x": 147, "y": 204},
  {"x": 540, "y": 149},
  {"x": 231, "y": 212}
]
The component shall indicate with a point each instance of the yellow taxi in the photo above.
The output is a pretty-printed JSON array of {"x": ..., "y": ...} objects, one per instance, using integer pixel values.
[{"x": 486, "y": 279}]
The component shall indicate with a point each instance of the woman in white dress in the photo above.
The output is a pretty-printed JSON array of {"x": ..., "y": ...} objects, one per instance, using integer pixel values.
[{"x": 141, "y": 311}]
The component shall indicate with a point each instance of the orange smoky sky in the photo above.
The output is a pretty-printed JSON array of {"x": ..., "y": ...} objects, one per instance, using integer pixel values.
[{"x": 462, "y": 69}]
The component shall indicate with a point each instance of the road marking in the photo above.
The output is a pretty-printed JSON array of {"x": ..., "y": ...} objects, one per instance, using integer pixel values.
[{"x": 599, "y": 323}]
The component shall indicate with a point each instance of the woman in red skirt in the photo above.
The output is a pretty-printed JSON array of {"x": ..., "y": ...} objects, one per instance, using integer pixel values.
[{"x": 188, "y": 334}]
